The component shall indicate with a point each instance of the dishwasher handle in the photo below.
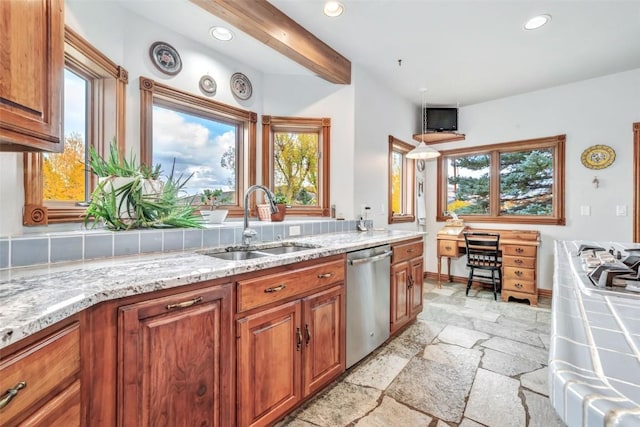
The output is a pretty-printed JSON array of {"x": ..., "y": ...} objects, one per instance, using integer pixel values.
[{"x": 375, "y": 258}]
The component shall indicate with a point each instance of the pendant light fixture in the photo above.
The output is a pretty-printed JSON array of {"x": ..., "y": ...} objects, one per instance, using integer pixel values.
[{"x": 423, "y": 151}]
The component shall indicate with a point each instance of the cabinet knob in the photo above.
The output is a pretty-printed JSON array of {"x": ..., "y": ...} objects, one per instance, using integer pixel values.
[
  {"x": 518, "y": 273},
  {"x": 11, "y": 393},
  {"x": 519, "y": 250},
  {"x": 518, "y": 261},
  {"x": 448, "y": 248},
  {"x": 518, "y": 285},
  {"x": 275, "y": 288}
]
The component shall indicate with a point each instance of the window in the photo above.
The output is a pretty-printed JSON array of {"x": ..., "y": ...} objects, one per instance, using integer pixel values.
[
  {"x": 209, "y": 141},
  {"x": 401, "y": 182},
  {"x": 57, "y": 185},
  {"x": 296, "y": 162},
  {"x": 517, "y": 182}
]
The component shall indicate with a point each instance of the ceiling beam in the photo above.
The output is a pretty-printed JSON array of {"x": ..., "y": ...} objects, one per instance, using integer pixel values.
[{"x": 263, "y": 21}]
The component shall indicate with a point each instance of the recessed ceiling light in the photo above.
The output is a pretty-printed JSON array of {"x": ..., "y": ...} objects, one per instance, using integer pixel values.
[
  {"x": 537, "y": 22},
  {"x": 221, "y": 33},
  {"x": 333, "y": 8}
]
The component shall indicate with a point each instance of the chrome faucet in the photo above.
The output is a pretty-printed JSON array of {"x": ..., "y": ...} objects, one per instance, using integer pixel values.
[{"x": 249, "y": 233}]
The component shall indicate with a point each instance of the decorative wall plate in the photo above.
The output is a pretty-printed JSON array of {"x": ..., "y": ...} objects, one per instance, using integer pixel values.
[
  {"x": 598, "y": 157},
  {"x": 165, "y": 58},
  {"x": 208, "y": 86},
  {"x": 241, "y": 86}
]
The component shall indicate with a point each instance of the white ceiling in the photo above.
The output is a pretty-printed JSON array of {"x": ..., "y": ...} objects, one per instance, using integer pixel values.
[{"x": 462, "y": 51}]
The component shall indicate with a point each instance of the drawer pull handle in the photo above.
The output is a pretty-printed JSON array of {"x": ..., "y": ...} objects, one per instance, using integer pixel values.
[
  {"x": 518, "y": 273},
  {"x": 409, "y": 250},
  {"x": 325, "y": 275},
  {"x": 518, "y": 285},
  {"x": 298, "y": 339},
  {"x": 518, "y": 261},
  {"x": 11, "y": 393},
  {"x": 308, "y": 334},
  {"x": 448, "y": 248},
  {"x": 519, "y": 250},
  {"x": 275, "y": 289},
  {"x": 184, "y": 304}
]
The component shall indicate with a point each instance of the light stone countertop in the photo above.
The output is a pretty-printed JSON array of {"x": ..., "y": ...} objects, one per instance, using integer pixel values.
[
  {"x": 594, "y": 358},
  {"x": 33, "y": 298}
]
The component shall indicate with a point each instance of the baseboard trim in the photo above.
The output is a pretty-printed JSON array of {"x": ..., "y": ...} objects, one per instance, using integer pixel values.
[{"x": 548, "y": 293}]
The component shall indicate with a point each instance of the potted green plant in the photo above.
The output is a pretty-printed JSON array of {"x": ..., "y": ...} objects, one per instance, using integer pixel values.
[
  {"x": 130, "y": 195},
  {"x": 281, "y": 202},
  {"x": 211, "y": 202}
]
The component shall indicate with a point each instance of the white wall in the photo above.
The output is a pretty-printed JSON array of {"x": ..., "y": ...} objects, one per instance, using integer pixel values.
[{"x": 596, "y": 111}]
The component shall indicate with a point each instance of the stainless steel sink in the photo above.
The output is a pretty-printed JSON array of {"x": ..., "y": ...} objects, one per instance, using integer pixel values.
[
  {"x": 236, "y": 255},
  {"x": 279, "y": 250},
  {"x": 240, "y": 253}
]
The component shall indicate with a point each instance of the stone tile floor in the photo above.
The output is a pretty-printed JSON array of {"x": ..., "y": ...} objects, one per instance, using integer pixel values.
[{"x": 467, "y": 361}]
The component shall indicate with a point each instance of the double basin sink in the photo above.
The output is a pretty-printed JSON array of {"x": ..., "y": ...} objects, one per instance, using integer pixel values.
[{"x": 245, "y": 253}]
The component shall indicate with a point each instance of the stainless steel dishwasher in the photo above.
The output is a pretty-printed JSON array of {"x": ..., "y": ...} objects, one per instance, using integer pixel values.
[{"x": 368, "y": 301}]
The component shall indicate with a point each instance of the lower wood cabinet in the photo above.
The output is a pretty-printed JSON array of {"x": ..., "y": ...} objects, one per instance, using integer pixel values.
[
  {"x": 174, "y": 360},
  {"x": 406, "y": 283},
  {"x": 40, "y": 383},
  {"x": 290, "y": 350}
]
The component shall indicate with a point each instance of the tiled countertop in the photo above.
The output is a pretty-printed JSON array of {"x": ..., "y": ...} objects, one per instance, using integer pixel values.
[
  {"x": 594, "y": 359},
  {"x": 33, "y": 298}
]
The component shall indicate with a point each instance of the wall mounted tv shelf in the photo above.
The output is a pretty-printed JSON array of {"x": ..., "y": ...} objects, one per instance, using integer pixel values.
[{"x": 438, "y": 137}]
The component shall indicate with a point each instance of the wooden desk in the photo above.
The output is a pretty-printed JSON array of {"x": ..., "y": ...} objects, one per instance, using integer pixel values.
[{"x": 519, "y": 258}]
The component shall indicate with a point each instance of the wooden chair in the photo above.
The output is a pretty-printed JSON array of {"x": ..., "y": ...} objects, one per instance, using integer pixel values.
[{"x": 483, "y": 254}]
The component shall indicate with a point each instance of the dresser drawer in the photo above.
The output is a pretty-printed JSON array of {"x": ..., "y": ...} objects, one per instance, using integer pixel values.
[
  {"x": 518, "y": 261},
  {"x": 448, "y": 248},
  {"x": 405, "y": 251},
  {"x": 270, "y": 288},
  {"x": 43, "y": 368},
  {"x": 519, "y": 273},
  {"x": 519, "y": 250},
  {"x": 526, "y": 286}
]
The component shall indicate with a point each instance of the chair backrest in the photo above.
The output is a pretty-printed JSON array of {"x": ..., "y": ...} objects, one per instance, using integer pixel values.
[{"x": 482, "y": 249}]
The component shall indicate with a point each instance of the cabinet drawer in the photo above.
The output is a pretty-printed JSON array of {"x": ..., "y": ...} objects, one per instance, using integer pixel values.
[
  {"x": 519, "y": 250},
  {"x": 448, "y": 248},
  {"x": 518, "y": 261},
  {"x": 44, "y": 367},
  {"x": 526, "y": 286},
  {"x": 519, "y": 273},
  {"x": 270, "y": 288},
  {"x": 405, "y": 251}
]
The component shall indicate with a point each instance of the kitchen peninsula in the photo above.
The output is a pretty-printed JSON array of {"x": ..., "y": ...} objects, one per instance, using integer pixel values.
[
  {"x": 93, "y": 337},
  {"x": 594, "y": 359}
]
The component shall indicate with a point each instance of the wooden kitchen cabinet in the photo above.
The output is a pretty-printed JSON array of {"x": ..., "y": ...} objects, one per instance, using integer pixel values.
[
  {"x": 175, "y": 359},
  {"x": 31, "y": 69},
  {"x": 295, "y": 345},
  {"x": 44, "y": 381},
  {"x": 406, "y": 283}
]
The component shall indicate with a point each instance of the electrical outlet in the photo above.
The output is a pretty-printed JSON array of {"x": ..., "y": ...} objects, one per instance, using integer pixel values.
[
  {"x": 294, "y": 230},
  {"x": 621, "y": 210}
]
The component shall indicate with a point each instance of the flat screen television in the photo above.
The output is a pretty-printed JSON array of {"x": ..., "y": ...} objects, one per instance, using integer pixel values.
[{"x": 441, "y": 119}]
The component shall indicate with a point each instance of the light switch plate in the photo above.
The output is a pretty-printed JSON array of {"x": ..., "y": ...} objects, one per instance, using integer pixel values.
[
  {"x": 294, "y": 230},
  {"x": 621, "y": 210},
  {"x": 585, "y": 210}
]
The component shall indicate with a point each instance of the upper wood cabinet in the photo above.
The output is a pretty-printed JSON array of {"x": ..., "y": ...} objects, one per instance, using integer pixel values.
[{"x": 31, "y": 75}]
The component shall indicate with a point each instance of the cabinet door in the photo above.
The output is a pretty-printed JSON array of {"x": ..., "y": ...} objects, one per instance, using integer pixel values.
[
  {"x": 399, "y": 295},
  {"x": 324, "y": 338},
  {"x": 269, "y": 357},
  {"x": 32, "y": 64},
  {"x": 415, "y": 299},
  {"x": 175, "y": 358}
]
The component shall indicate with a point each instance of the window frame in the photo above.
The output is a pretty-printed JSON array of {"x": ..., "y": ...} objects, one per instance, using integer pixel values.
[
  {"x": 555, "y": 143},
  {"x": 408, "y": 182},
  {"x": 106, "y": 119},
  {"x": 153, "y": 92},
  {"x": 271, "y": 124}
]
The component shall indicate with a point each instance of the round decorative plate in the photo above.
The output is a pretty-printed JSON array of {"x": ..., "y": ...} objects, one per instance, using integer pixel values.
[
  {"x": 208, "y": 86},
  {"x": 165, "y": 58},
  {"x": 598, "y": 157},
  {"x": 241, "y": 86}
]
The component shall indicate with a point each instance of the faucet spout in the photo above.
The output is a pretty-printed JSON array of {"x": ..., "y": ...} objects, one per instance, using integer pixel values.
[{"x": 249, "y": 233}]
